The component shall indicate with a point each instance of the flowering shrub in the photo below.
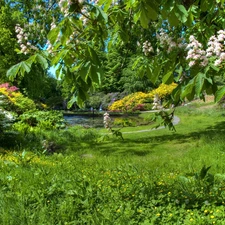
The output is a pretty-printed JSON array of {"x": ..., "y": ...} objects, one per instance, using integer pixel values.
[
  {"x": 17, "y": 101},
  {"x": 131, "y": 102},
  {"x": 163, "y": 90},
  {"x": 140, "y": 100},
  {"x": 39, "y": 120}
]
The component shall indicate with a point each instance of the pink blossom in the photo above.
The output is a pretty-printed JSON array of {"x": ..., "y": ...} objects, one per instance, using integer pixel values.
[
  {"x": 222, "y": 56},
  {"x": 204, "y": 63},
  {"x": 221, "y": 37},
  {"x": 217, "y": 62},
  {"x": 209, "y": 54},
  {"x": 5, "y": 85},
  {"x": 191, "y": 63}
]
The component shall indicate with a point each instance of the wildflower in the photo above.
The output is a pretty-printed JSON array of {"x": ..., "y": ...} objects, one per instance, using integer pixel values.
[
  {"x": 206, "y": 202},
  {"x": 106, "y": 120}
]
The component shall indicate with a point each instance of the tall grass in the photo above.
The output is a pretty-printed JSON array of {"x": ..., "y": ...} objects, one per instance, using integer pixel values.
[{"x": 153, "y": 177}]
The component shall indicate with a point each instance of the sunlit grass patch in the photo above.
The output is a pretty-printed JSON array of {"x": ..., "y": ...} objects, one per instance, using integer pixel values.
[{"x": 152, "y": 177}]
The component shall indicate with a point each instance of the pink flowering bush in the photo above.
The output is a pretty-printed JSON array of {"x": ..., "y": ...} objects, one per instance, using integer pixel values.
[{"x": 17, "y": 101}]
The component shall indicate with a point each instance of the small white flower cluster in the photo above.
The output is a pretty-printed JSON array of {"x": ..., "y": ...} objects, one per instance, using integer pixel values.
[
  {"x": 49, "y": 47},
  {"x": 84, "y": 15},
  {"x": 147, "y": 48},
  {"x": 196, "y": 53},
  {"x": 106, "y": 120},
  {"x": 73, "y": 38},
  {"x": 166, "y": 41},
  {"x": 156, "y": 103},
  {"x": 63, "y": 5},
  {"x": 7, "y": 114},
  {"x": 216, "y": 47},
  {"x": 22, "y": 38}
]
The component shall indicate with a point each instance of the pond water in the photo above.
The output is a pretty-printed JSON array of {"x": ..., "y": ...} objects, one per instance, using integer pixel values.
[
  {"x": 85, "y": 120},
  {"x": 97, "y": 120}
]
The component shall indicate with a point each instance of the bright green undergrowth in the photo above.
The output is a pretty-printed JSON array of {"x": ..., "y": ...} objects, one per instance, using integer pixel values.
[{"x": 153, "y": 177}]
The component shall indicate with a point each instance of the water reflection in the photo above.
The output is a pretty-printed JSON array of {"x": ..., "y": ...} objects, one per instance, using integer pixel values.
[{"x": 82, "y": 120}]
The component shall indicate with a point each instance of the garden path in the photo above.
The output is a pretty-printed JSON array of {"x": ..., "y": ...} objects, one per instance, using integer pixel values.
[{"x": 176, "y": 120}]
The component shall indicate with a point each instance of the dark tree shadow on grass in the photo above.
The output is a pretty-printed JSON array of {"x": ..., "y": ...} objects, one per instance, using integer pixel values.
[{"x": 136, "y": 146}]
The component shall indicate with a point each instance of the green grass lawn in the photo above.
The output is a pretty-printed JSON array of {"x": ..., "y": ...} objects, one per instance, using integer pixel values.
[{"x": 153, "y": 177}]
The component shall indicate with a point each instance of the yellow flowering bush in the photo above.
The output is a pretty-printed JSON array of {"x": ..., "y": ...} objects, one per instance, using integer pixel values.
[
  {"x": 163, "y": 90},
  {"x": 132, "y": 102},
  {"x": 140, "y": 100}
]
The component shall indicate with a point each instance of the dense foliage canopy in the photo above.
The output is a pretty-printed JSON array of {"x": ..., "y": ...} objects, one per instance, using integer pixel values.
[{"x": 176, "y": 40}]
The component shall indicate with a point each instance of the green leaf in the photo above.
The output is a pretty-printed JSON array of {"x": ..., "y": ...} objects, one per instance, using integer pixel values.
[
  {"x": 168, "y": 78},
  {"x": 66, "y": 31},
  {"x": 43, "y": 61},
  {"x": 209, "y": 79},
  {"x": 106, "y": 4},
  {"x": 59, "y": 57},
  {"x": 71, "y": 101},
  {"x": 149, "y": 72},
  {"x": 141, "y": 71},
  {"x": 103, "y": 14},
  {"x": 81, "y": 97},
  {"x": 144, "y": 18},
  {"x": 84, "y": 71},
  {"x": 152, "y": 14},
  {"x": 219, "y": 94},
  {"x": 32, "y": 59},
  {"x": 93, "y": 74},
  {"x": 137, "y": 16},
  {"x": 173, "y": 20},
  {"x": 188, "y": 90},
  {"x": 176, "y": 94},
  {"x": 53, "y": 35},
  {"x": 13, "y": 71},
  {"x": 204, "y": 5},
  {"x": 76, "y": 67},
  {"x": 93, "y": 55},
  {"x": 157, "y": 66},
  {"x": 181, "y": 13},
  {"x": 199, "y": 82},
  {"x": 136, "y": 62},
  {"x": 25, "y": 67},
  {"x": 214, "y": 68}
]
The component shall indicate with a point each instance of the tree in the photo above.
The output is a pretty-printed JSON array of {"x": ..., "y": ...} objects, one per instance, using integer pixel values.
[
  {"x": 177, "y": 48},
  {"x": 8, "y": 41},
  {"x": 37, "y": 83}
]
